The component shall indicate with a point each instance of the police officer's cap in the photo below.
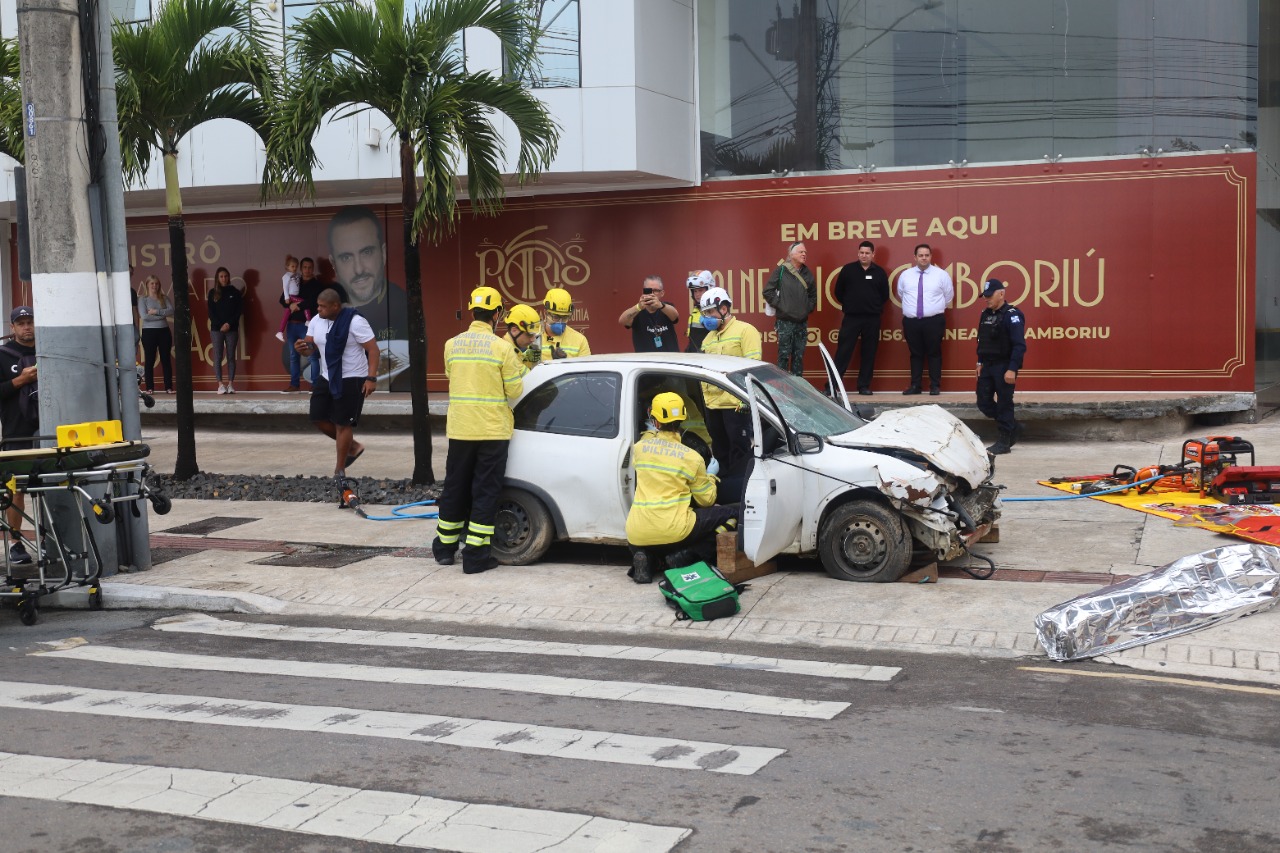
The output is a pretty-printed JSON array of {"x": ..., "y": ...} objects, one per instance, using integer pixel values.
[{"x": 992, "y": 285}]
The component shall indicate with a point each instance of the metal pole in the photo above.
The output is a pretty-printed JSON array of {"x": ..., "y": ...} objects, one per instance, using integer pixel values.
[
  {"x": 135, "y": 537},
  {"x": 63, "y": 275}
]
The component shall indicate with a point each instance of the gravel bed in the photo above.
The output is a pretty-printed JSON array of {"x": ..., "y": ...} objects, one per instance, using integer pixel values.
[{"x": 299, "y": 489}]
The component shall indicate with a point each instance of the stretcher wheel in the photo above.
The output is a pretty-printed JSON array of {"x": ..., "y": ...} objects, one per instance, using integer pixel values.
[
  {"x": 28, "y": 612},
  {"x": 95, "y": 597},
  {"x": 161, "y": 504},
  {"x": 104, "y": 511}
]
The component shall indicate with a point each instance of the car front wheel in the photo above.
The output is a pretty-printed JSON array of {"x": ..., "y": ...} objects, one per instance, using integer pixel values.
[
  {"x": 522, "y": 528},
  {"x": 864, "y": 541}
]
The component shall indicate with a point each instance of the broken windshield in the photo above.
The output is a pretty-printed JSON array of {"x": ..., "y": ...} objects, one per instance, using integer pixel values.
[{"x": 805, "y": 409}]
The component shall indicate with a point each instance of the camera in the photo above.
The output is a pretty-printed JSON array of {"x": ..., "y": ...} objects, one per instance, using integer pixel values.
[{"x": 648, "y": 291}]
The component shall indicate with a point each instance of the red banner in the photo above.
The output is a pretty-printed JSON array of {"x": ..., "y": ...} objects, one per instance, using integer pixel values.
[{"x": 1133, "y": 274}]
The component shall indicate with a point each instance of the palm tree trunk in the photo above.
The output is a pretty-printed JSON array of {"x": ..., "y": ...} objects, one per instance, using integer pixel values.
[
  {"x": 185, "y": 466},
  {"x": 421, "y": 418}
]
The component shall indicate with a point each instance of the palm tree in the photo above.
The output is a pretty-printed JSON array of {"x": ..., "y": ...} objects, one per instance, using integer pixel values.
[
  {"x": 195, "y": 61},
  {"x": 404, "y": 63},
  {"x": 11, "y": 139}
]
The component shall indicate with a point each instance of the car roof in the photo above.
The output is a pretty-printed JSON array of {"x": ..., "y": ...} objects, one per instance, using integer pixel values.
[{"x": 631, "y": 361}]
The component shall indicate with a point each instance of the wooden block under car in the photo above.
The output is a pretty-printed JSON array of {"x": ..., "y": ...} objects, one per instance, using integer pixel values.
[
  {"x": 734, "y": 565},
  {"x": 993, "y": 535},
  {"x": 924, "y": 574}
]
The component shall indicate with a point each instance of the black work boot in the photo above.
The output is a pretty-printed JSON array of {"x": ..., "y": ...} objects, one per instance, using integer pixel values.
[
  {"x": 683, "y": 558},
  {"x": 1016, "y": 434},
  {"x": 1002, "y": 445},
  {"x": 443, "y": 553},
  {"x": 477, "y": 559},
  {"x": 641, "y": 571}
]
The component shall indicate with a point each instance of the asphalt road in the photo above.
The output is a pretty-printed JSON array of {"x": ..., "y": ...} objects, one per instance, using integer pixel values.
[{"x": 950, "y": 754}]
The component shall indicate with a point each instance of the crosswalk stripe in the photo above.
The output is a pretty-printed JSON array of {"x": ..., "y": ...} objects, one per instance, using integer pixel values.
[
  {"x": 423, "y": 728},
  {"x": 196, "y": 623},
  {"x": 385, "y": 817},
  {"x": 552, "y": 685}
]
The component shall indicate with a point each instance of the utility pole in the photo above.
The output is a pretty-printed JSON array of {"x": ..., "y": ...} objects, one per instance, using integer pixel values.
[
  {"x": 114, "y": 288},
  {"x": 54, "y": 36}
]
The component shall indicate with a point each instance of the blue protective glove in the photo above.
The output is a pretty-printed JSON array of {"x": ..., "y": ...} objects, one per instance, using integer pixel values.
[{"x": 714, "y": 467}]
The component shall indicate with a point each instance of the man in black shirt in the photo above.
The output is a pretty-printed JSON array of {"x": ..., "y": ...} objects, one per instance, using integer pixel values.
[
  {"x": 19, "y": 407},
  {"x": 652, "y": 320},
  {"x": 862, "y": 289}
]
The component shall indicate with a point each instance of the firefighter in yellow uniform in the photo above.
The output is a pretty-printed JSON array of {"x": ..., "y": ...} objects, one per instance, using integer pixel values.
[
  {"x": 486, "y": 375},
  {"x": 728, "y": 423},
  {"x": 559, "y": 339},
  {"x": 524, "y": 330},
  {"x": 669, "y": 476}
]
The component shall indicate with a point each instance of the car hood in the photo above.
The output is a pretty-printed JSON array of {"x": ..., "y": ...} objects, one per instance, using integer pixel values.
[{"x": 930, "y": 431}]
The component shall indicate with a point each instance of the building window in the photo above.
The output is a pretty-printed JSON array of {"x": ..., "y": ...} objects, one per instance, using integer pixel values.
[
  {"x": 821, "y": 85},
  {"x": 130, "y": 11},
  {"x": 557, "y": 64}
]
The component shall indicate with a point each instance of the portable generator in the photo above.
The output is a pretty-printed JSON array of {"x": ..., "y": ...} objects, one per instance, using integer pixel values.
[{"x": 1213, "y": 455}]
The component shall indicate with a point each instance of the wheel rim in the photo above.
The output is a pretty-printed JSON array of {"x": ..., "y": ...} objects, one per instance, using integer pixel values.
[
  {"x": 512, "y": 526},
  {"x": 863, "y": 546}
]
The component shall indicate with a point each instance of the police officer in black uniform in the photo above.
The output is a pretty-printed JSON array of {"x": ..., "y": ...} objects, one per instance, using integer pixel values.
[{"x": 1001, "y": 347}]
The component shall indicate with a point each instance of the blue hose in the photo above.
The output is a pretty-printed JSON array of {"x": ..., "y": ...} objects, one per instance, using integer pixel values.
[
  {"x": 398, "y": 512},
  {"x": 1091, "y": 494}
]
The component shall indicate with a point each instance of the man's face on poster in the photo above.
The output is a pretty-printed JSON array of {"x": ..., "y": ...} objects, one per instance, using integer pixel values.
[{"x": 359, "y": 261}]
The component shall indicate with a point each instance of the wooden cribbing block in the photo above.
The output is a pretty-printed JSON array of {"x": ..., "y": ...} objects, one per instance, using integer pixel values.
[
  {"x": 734, "y": 565},
  {"x": 993, "y": 535},
  {"x": 924, "y": 574}
]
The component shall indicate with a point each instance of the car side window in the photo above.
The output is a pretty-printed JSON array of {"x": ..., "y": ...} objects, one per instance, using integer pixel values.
[{"x": 584, "y": 404}]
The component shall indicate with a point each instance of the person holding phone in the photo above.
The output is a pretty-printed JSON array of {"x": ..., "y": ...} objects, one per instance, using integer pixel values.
[{"x": 652, "y": 320}]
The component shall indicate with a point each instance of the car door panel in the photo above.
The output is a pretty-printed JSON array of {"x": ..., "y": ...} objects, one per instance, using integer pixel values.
[
  {"x": 835, "y": 382},
  {"x": 567, "y": 433},
  {"x": 772, "y": 502}
]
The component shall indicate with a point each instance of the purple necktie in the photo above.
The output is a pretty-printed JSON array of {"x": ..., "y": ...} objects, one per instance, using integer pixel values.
[{"x": 920, "y": 296}]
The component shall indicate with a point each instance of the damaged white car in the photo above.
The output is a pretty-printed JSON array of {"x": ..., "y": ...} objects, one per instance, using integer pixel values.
[{"x": 863, "y": 496}]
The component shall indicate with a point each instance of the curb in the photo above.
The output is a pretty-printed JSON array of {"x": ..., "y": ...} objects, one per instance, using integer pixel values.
[{"x": 130, "y": 596}]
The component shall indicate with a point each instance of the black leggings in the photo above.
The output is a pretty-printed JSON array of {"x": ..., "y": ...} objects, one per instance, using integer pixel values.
[{"x": 157, "y": 342}]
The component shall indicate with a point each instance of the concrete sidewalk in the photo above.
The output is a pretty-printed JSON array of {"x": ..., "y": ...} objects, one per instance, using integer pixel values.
[{"x": 260, "y": 560}]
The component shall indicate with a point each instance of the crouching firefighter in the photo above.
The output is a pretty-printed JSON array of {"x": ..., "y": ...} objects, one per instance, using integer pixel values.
[
  {"x": 1001, "y": 347},
  {"x": 668, "y": 474},
  {"x": 486, "y": 375}
]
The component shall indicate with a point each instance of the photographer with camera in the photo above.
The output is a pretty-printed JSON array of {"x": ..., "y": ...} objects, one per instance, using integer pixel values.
[{"x": 652, "y": 320}]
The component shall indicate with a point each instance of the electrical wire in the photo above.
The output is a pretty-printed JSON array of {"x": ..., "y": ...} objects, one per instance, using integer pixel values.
[{"x": 399, "y": 513}]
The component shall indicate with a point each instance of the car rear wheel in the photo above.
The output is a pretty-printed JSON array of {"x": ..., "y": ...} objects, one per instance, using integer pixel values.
[
  {"x": 522, "y": 528},
  {"x": 864, "y": 541}
]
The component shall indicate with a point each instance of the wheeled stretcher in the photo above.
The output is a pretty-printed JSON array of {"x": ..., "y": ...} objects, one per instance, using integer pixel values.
[{"x": 37, "y": 474}]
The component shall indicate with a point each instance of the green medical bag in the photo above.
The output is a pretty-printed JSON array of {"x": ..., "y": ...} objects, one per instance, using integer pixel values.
[{"x": 699, "y": 592}]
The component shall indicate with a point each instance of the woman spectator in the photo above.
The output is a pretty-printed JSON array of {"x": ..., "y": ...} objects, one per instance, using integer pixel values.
[
  {"x": 225, "y": 307},
  {"x": 157, "y": 338}
]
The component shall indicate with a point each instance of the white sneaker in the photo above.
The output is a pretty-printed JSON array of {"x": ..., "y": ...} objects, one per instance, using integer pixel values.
[
  {"x": 231, "y": 389},
  {"x": 222, "y": 389},
  {"x": 280, "y": 337}
]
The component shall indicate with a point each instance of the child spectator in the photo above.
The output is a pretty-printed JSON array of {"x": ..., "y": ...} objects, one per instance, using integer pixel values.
[{"x": 289, "y": 284}]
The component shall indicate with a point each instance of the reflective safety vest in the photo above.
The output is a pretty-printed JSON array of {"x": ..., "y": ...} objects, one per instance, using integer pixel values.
[
  {"x": 737, "y": 337},
  {"x": 668, "y": 474},
  {"x": 485, "y": 378},
  {"x": 573, "y": 342}
]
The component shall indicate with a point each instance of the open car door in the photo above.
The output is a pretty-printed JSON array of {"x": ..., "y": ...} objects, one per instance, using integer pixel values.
[
  {"x": 835, "y": 383},
  {"x": 772, "y": 506}
]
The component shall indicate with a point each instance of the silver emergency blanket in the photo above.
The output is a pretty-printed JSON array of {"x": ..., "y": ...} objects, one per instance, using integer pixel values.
[{"x": 1190, "y": 593}]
